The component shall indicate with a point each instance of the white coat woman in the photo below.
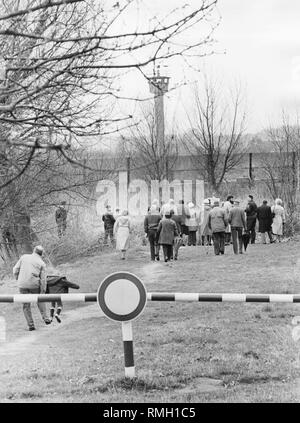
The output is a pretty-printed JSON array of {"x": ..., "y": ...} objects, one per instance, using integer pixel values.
[
  {"x": 121, "y": 233},
  {"x": 193, "y": 224},
  {"x": 278, "y": 219}
]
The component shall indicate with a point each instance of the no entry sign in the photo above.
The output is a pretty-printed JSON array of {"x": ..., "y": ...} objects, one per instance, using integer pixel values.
[{"x": 122, "y": 296}]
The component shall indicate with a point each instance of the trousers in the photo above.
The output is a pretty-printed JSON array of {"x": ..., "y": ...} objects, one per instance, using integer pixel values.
[
  {"x": 219, "y": 242},
  {"x": 237, "y": 241},
  {"x": 168, "y": 251},
  {"x": 27, "y": 306}
]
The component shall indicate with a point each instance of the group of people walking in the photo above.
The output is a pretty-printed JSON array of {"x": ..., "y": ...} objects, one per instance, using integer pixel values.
[{"x": 171, "y": 226}]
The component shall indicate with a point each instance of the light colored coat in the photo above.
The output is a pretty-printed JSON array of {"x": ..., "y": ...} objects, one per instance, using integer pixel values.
[
  {"x": 217, "y": 220},
  {"x": 121, "y": 232},
  {"x": 278, "y": 220},
  {"x": 237, "y": 217},
  {"x": 193, "y": 221},
  {"x": 30, "y": 272}
]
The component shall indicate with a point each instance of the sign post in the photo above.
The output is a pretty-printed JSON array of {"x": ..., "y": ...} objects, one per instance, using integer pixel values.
[{"x": 122, "y": 297}]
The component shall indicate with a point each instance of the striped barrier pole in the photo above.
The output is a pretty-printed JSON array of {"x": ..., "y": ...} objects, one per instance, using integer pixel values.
[
  {"x": 158, "y": 296},
  {"x": 128, "y": 349},
  {"x": 237, "y": 298},
  {"x": 43, "y": 298}
]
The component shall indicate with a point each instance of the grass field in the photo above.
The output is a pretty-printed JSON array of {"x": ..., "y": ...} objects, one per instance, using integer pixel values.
[{"x": 184, "y": 352}]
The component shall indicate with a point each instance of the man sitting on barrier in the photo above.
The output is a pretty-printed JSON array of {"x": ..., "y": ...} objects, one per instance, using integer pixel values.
[{"x": 30, "y": 272}]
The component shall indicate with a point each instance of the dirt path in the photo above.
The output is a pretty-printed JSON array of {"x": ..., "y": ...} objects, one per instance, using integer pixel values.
[
  {"x": 23, "y": 344},
  {"x": 150, "y": 273}
]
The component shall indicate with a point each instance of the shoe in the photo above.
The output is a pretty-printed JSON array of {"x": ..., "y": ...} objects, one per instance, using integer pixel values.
[
  {"x": 47, "y": 321},
  {"x": 157, "y": 258},
  {"x": 241, "y": 252},
  {"x": 57, "y": 318},
  {"x": 175, "y": 258},
  {"x": 31, "y": 328}
]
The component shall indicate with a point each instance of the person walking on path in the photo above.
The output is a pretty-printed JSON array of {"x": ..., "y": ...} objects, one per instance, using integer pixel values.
[
  {"x": 121, "y": 232},
  {"x": 167, "y": 231},
  {"x": 278, "y": 219},
  {"x": 61, "y": 219},
  {"x": 227, "y": 207},
  {"x": 237, "y": 221},
  {"x": 183, "y": 212},
  {"x": 217, "y": 223},
  {"x": 251, "y": 213},
  {"x": 204, "y": 231},
  {"x": 193, "y": 224},
  {"x": 177, "y": 240},
  {"x": 57, "y": 284},
  {"x": 151, "y": 223},
  {"x": 109, "y": 222},
  {"x": 264, "y": 217},
  {"x": 30, "y": 272}
]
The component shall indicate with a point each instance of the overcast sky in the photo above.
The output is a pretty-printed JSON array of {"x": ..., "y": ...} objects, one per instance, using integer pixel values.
[{"x": 261, "y": 40}]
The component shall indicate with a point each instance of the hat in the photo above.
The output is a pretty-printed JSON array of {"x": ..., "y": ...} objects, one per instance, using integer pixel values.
[{"x": 38, "y": 249}]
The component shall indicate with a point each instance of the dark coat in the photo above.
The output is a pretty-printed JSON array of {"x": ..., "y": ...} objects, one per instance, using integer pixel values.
[
  {"x": 251, "y": 210},
  {"x": 61, "y": 214},
  {"x": 264, "y": 216},
  {"x": 108, "y": 220},
  {"x": 167, "y": 231},
  {"x": 177, "y": 220},
  {"x": 59, "y": 285},
  {"x": 151, "y": 222}
]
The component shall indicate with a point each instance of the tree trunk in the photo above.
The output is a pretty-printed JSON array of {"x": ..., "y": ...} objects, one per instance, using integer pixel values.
[{"x": 17, "y": 236}]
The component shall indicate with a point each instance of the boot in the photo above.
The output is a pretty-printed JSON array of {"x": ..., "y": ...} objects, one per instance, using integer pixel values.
[{"x": 58, "y": 311}]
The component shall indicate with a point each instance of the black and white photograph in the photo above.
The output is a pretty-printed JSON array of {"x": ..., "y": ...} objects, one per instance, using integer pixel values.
[{"x": 149, "y": 205}]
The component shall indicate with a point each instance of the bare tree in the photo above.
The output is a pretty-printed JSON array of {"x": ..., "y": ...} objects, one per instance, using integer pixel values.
[
  {"x": 215, "y": 139},
  {"x": 281, "y": 167},
  {"x": 152, "y": 156},
  {"x": 59, "y": 83},
  {"x": 62, "y": 59}
]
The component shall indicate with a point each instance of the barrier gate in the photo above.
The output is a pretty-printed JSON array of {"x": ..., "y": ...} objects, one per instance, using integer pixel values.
[{"x": 122, "y": 297}]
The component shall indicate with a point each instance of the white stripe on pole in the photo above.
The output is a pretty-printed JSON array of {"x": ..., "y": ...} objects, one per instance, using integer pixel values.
[
  {"x": 130, "y": 372},
  {"x": 234, "y": 297},
  {"x": 281, "y": 298},
  {"x": 181, "y": 296},
  {"x": 72, "y": 297},
  {"x": 26, "y": 298},
  {"x": 127, "y": 331}
]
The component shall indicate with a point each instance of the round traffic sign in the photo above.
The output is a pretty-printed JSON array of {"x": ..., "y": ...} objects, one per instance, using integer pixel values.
[{"x": 122, "y": 296}]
